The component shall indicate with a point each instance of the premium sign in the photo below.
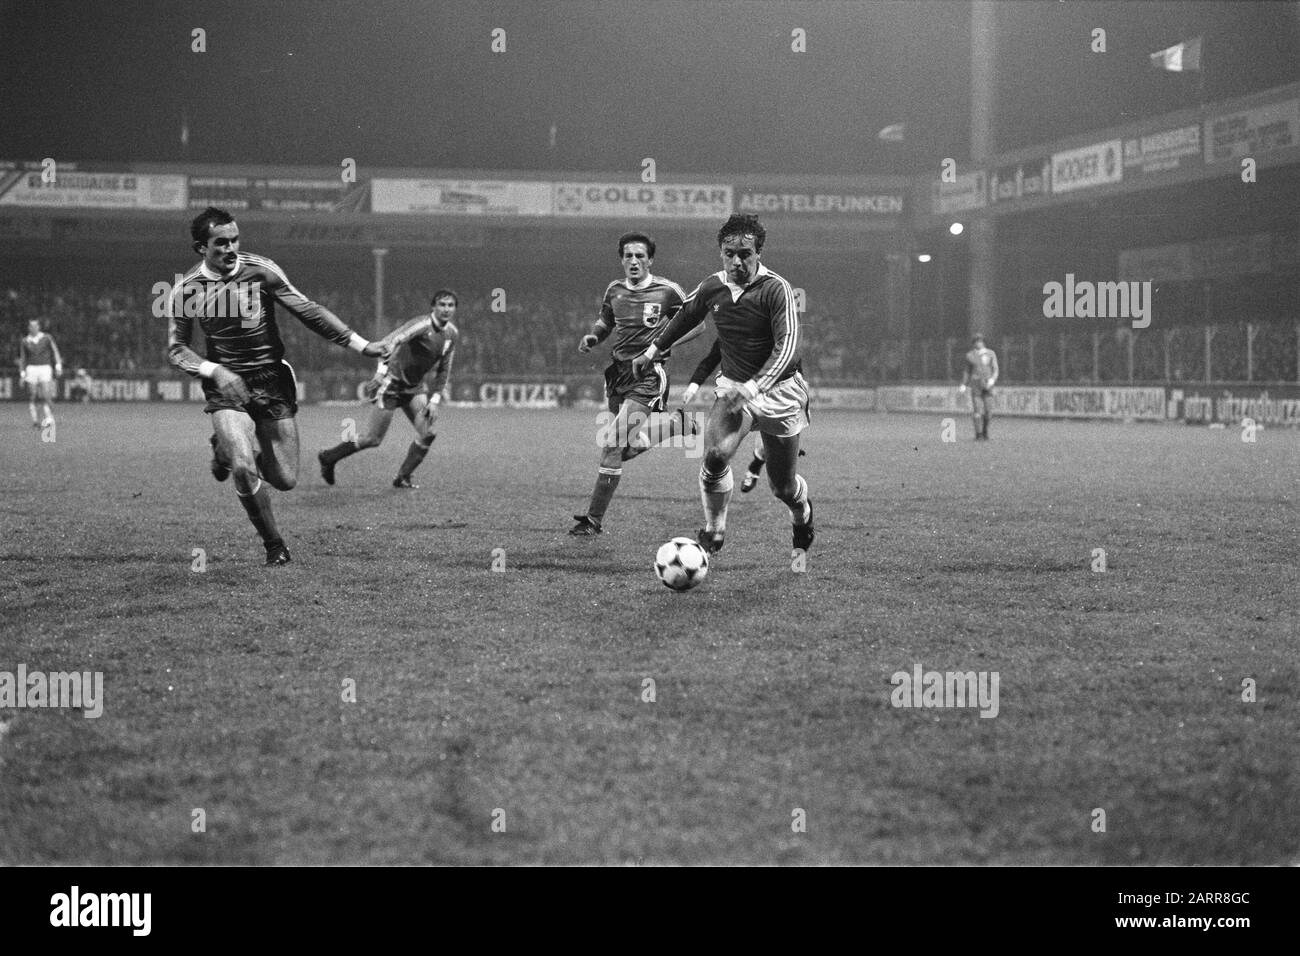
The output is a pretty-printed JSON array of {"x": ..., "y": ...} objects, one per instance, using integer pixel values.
[
  {"x": 1202, "y": 405},
  {"x": 1219, "y": 257},
  {"x": 1171, "y": 263},
  {"x": 93, "y": 190},
  {"x": 643, "y": 200},
  {"x": 1030, "y": 178},
  {"x": 460, "y": 197},
  {"x": 1252, "y": 132},
  {"x": 968, "y": 191},
  {"x": 843, "y": 398},
  {"x": 814, "y": 203},
  {"x": 1095, "y": 165},
  {"x": 1163, "y": 151},
  {"x": 518, "y": 395},
  {"x": 1146, "y": 404},
  {"x": 279, "y": 195}
]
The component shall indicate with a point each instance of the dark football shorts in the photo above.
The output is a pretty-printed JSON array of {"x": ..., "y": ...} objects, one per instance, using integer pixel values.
[
  {"x": 651, "y": 389},
  {"x": 273, "y": 394},
  {"x": 395, "y": 397}
]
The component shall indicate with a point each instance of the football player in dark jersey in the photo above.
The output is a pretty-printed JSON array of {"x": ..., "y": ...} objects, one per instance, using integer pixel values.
[
  {"x": 633, "y": 311},
  {"x": 414, "y": 380},
  {"x": 760, "y": 386},
  {"x": 251, "y": 390}
]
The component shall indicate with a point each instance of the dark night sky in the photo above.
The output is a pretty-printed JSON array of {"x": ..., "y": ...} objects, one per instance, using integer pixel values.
[{"x": 706, "y": 86}]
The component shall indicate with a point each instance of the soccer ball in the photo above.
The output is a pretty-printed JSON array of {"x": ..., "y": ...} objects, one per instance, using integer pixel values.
[{"x": 681, "y": 564}]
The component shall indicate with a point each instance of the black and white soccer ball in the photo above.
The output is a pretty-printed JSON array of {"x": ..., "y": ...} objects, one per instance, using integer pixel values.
[{"x": 681, "y": 563}]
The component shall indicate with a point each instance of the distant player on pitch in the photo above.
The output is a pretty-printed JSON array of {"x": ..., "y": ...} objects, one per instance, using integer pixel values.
[
  {"x": 980, "y": 375},
  {"x": 39, "y": 364},
  {"x": 634, "y": 309},
  {"x": 252, "y": 393},
  {"x": 760, "y": 386},
  {"x": 414, "y": 380}
]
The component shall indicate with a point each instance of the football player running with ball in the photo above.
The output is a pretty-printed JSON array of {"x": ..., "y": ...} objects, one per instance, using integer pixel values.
[
  {"x": 703, "y": 371},
  {"x": 634, "y": 309},
  {"x": 414, "y": 380},
  {"x": 760, "y": 386},
  {"x": 251, "y": 390}
]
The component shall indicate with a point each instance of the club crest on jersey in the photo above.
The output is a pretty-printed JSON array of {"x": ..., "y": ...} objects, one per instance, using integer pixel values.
[{"x": 650, "y": 314}]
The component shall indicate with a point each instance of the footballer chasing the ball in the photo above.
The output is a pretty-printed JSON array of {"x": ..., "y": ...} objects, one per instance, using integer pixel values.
[
  {"x": 634, "y": 309},
  {"x": 760, "y": 385},
  {"x": 414, "y": 380},
  {"x": 250, "y": 388}
]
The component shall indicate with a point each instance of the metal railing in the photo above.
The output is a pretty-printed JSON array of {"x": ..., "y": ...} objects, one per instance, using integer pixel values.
[{"x": 1229, "y": 352}]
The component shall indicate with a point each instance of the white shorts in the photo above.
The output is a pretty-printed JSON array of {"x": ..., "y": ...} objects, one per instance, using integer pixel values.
[
  {"x": 38, "y": 374},
  {"x": 782, "y": 411}
]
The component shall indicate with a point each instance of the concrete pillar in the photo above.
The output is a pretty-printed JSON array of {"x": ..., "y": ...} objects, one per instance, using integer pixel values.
[
  {"x": 380, "y": 330},
  {"x": 983, "y": 229}
]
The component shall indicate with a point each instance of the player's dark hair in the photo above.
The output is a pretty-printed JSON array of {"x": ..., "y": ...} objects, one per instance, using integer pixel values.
[
  {"x": 743, "y": 224},
  {"x": 627, "y": 237},
  {"x": 207, "y": 220},
  {"x": 977, "y": 337},
  {"x": 441, "y": 293}
]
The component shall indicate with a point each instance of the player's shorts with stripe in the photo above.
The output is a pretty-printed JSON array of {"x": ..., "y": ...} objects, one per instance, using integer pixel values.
[
  {"x": 393, "y": 396},
  {"x": 40, "y": 378},
  {"x": 273, "y": 393},
  {"x": 781, "y": 411},
  {"x": 650, "y": 389}
]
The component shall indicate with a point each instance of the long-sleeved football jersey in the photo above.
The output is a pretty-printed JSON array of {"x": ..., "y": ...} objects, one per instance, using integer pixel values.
[
  {"x": 423, "y": 350},
  {"x": 635, "y": 315},
  {"x": 38, "y": 349},
  {"x": 981, "y": 368},
  {"x": 707, "y": 364},
  {"x": 237, "y": 315},
  {"x": 758, "y": 326}
]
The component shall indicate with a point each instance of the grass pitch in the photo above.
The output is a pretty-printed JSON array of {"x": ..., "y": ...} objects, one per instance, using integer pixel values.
[{"x": 517, "y": 696}]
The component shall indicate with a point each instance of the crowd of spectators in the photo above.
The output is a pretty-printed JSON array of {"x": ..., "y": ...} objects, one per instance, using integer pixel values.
[
  {"x": 534, "y": 332},
  {"x": 107, "y": 329}
]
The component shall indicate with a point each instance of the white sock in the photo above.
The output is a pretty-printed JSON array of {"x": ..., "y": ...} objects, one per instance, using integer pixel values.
[
  {"x": 715, "y": 493},
  {"x": 799, "y": 510}
]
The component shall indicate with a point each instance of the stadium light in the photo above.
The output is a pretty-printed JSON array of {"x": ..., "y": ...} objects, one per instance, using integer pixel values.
[
  {"x": 956, "y": 229},
  {"x": 923, "y": 257}
]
